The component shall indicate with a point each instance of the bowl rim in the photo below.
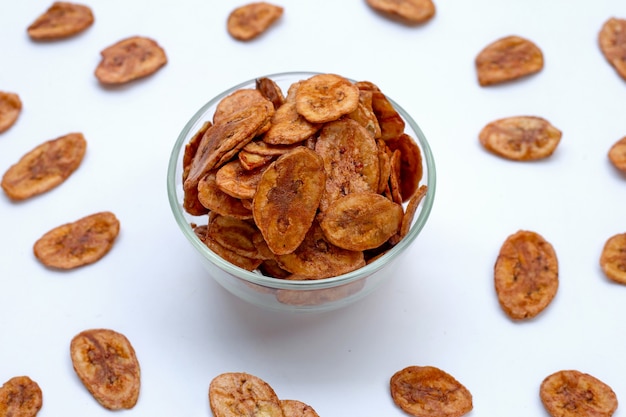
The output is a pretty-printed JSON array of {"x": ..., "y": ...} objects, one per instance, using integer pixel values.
[{"x": 256, "y": 278}]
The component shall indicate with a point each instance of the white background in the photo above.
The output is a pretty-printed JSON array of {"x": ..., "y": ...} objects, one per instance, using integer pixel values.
[{"x": 440, "y": 309}]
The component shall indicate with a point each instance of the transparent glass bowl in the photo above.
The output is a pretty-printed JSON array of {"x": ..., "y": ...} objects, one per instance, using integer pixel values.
[{"x": 285, "y": 295}]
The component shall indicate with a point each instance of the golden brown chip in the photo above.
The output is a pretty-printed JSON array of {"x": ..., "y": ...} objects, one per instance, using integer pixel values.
[
  {"x": 520, "y": 138},
  {"x": 61, "y": 20},
  {"x": 350, "y": 157},
  {"x": 130, "y": 59},
  {"x": 364, "y": 114},
  {"x": 617, "y": 154},
  {"x": 394, "y": 177},
  {"x": 79, "y": 243},
  {"x": 106, "y": 363},
  {"x": 612, "y": 40},
  {"x": 407, "y": 11},
  {"x": 45, "y": 167},
  {"x": 427, "y": 391},
  {"x": 508, "y": 59},
  {"x": 234, "y": 234},
  {"x": 10, "y": 109},
  {"x": 391, "y": 123},
  {"x": 217, "y": 201},
  {"x": 270, "y": 90},
  {"x": 237, "y": 101},
  {"x": 571, "y": 393},
  {"x": 411, "y": 169},
  {"x": 236, "y": 181},
  {"x": 409, "y": 213},
  {"x": 361, "y": 221},
  {"x": 289, "y": 127},
  {"x": 613, "y": 258},
  {"x": 20, "y": 396},
  {"x": 244, "y": 262},
  {"x": 251, "y": 20},
  {"x": 295, "y": 408},
  {"x": 326, "y": 97},
  {"x": 526, "y": 275},
  {"x": 288, "y": 197},
  {"x": 222, "y": 141},
  {"x": 236, "y": 394},
  {"x": 317, "y": 258}
]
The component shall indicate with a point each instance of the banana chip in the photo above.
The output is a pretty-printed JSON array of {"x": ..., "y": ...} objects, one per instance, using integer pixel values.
[
  {"x": 613, "y": 258},
  {"x": 326, "y": 97},
  {"x": 612, "y": 40},
  {"x": 251, "y": 20},
  {"x": 407, "y": 11},
  {"x": 130, "y": 59},
  {"x": 10, "y": 109},
  {"x": 617, "y": 154},
  {"x": 508, "y": 59},
  {"x": 61, "y": 20},
  {"x": 20, "y": 396}
]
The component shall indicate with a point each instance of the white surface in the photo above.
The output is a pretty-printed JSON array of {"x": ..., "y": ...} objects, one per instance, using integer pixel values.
[{"x": 441, "y": 310}]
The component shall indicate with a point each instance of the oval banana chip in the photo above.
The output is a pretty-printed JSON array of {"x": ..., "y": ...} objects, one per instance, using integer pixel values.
[
  {"x": 613, "y": 258},
  {"x": 617, "y": 154},
  {"x": 287, "y": 198},
  {"x": 427, "y": 391},
  {"x": 406, "y": 11},
  {"x": 235, "y": 394},
  {"x": 10, "y": 109},
  {"x": 571, "y": 393},
  {"x": 61, "y": 20},
  {"x": 130, "y": 59},
  {"x": 508, "y": 59},
  {"x": 520, "y": 138},
  {"x": 295, "y": 408},
  {"x": 106, "y": 363},
  {"x": 526, "y": 275},
  {"x": 251, "y": 20},
  {"x": 361, "y": 221},
  {"x": 612, "y": 40},
  {"x": 326, "y": 97},
  {"x": 82, "y": 242},
  {"x": 20, "y": 396},
  {"x": 45, "y": 167}
]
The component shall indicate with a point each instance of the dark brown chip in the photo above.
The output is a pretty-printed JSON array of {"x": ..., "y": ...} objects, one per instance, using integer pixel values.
[
  {"x": 106, "y": 363},
  {"x": 238, "y": 394},
  {"x": 270, "y": 90},
  {"x": 82, "y": 242},
  {"x": 20, "y": 396},
  {"x": 426, "y": 391},
  {"x": 613, "y": 258},
  {"x": 10, "y": 109},
  {"x": 508, "y": 59},
  {"x": 407, "y": 11},
  {"x": 251, "y": 20},
  {"x": 130, "y": 59},
  {"x": 61, "y": 20},
  {"x": 45, "y": 167},
  {"x": 571, "y": 393},
  {"x": 612, "y": 40},
  {"x": 526, "y": 275},
  {"x": 520, "y": 138}
]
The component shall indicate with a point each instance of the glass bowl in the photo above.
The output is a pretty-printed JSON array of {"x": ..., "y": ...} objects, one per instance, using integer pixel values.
[{"x": 293, "y": 295}]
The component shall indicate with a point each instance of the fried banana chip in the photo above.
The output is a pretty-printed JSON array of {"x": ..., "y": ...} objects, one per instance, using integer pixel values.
[
  {"x": 251, "y": 20},
  {"x": 289, "y": 127},
  {"x": 236, "y": 181},
  {"x": 80, "y": 243},
  {"x": 520, "y": 138},
  {"x": 571, "y": 393},
  {"x": 270, "y": 90},
  {"x": 191, "y": 204},
  {"x": 409, "y": 213},
  {"x": 411, "y": 169},
  {"x": 350, "y": 157},
  {"x": 130, "y": 59},
  {"x": 45, "y": 167},
  {"x": 613, "y": 258},
  {"x": 287, "y": 199},
  {"x": 407, "y": 11},
  {"x": 617, "y": 154},
  {"x": 612, "y": 40},
  {"x": 317, "y": 258},
  {"x": 236, "y": 394},
  {"x": 10, "y": 109},
  {"x": 244, "y": 262},
  {"x": 364, "y": 114},
  {"x": 217, "y": 201},
  {"x": 526, "y": 275},
  {"x": 295, "y": 408},
  {"x": 508, "y": 59},
  {"x": 427, "y": 391},
  {"x": 222, "y": 141},
  {"x": 20, "y": 396},
  {"x": 237, "y": 101},
  {"x": 361, "y": 221},
  {"x": 106, "y": 363},
  {"x": 234, "y": 234},
  {"x": 326, "y": 97},
  {"x": 61, "y": 20},
  {"x": 391, "y": 123}
]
